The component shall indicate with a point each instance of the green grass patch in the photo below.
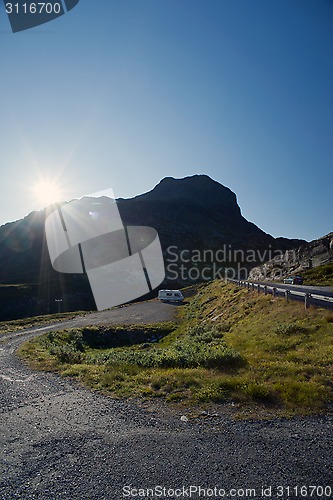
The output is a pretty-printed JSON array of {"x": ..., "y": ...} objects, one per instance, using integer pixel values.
[
  {"x": 319, "y": 276},
  {"x": 230, "y": 346}
]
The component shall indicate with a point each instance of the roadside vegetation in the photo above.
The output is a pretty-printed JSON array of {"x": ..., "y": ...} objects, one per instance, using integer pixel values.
[
  {"x": 257, "y": 354},
  {"x": 319, "y": 276}
]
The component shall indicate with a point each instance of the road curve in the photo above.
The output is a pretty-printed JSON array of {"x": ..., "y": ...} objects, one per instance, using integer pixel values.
[{"x": 61, "y": 441}]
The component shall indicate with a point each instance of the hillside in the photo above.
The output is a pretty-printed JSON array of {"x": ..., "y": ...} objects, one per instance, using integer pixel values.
[
  {"x": 319, "y": 276},
  {"x": 312, "y": 260}
]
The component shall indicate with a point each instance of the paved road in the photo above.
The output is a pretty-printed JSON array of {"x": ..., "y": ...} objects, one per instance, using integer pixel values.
[
  {"x": 321, "y": 296},
  {"x": 60, "y": 441},
  {"x": 318, "y": 290}
]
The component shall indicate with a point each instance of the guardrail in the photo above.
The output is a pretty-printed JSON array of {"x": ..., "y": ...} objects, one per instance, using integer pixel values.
[{"x": 314, "y": 299}]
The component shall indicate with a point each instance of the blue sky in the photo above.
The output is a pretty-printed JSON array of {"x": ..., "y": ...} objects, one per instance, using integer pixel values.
[{"x": 119, "y": 94}]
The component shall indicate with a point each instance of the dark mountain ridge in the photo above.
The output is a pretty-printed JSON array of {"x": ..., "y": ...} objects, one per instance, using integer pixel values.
[{"x": 197, "y": 211}]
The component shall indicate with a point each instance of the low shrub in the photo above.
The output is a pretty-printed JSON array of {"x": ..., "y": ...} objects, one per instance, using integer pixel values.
[
  {"x": 67, "y": 354},
  {"x": 288, "y": 328}
]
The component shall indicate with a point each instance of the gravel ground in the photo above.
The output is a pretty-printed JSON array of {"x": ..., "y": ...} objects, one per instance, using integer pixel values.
[{"x": 60, "y": 441}]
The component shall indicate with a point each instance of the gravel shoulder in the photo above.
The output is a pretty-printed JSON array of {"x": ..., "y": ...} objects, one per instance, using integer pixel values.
[{"x": 61, "y": 441}]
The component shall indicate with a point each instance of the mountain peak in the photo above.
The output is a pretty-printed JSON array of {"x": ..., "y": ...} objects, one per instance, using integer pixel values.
[
  {"x": 201, "y": 181},
  {"x": 198, "y": 189}
]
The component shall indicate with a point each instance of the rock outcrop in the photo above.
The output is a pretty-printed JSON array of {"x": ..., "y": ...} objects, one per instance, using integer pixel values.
[{"x": 306, "y": 256}]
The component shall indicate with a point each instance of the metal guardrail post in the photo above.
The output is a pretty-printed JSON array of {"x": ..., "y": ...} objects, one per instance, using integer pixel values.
[
  {"x": 287, "y": 295},
  {"x": 307, "y": 298},
  {"x": 274, "y": 291},
  {"x": 265, "y": 289}
]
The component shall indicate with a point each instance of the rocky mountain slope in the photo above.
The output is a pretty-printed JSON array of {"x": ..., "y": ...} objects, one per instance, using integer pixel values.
[
  {"x": 307, "y": 256},
  {"x": 197, "y": 212}
]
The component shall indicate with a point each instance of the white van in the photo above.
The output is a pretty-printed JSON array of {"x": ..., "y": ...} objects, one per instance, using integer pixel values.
[{"x": 170, "y": 295}]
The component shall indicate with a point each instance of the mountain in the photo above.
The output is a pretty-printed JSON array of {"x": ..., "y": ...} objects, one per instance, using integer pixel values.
[
  {"x": 197, "y": 212},
  {"x": 307, "y": 256},
  {"x": 200, "y": 226}
]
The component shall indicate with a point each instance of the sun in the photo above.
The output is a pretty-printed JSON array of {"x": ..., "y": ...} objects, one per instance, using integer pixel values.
[{"x": 47, "y": 192}]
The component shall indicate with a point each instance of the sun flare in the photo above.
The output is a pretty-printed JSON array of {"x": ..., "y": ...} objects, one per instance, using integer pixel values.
[{"x": 47, "y": 192}]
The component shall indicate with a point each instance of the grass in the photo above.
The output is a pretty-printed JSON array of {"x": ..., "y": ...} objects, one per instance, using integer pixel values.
[
  {"x": 319, "y": 276},
  {"x": 231, "y": 346}
]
